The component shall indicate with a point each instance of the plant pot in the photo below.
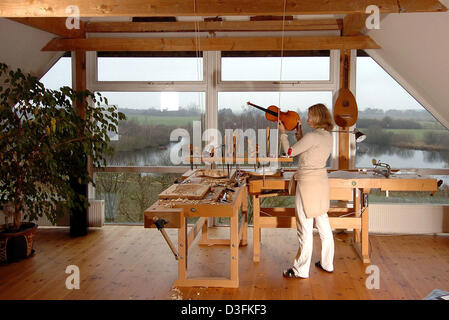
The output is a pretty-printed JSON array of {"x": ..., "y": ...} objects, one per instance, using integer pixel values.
[
  {"x": 18, "y": 245},
  {"x": 78, "y": 223}
]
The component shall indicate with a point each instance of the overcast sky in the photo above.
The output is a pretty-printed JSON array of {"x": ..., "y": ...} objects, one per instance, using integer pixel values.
[{"x": 375, "y": 88}]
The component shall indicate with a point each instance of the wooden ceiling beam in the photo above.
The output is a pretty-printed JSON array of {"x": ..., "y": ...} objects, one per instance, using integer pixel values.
[
  {"x": 212, "y": 44},
  {"x": 148, "y": 8},
  {"x": 213, "y": 26},
  {"x": 353, "y": 24},
  {"x": 53, "y": 25}
]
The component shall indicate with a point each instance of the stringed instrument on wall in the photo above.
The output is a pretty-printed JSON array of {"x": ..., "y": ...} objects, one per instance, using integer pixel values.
[
  {"x": 345, "y": 109},
  {"x": 273, "y": 114}
]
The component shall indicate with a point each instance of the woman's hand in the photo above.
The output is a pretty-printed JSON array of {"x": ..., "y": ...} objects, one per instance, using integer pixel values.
[
  {"x": 298, "y": 126},
  {"x": 281, "y": 127},
  {"x": 298, "y": 132}
]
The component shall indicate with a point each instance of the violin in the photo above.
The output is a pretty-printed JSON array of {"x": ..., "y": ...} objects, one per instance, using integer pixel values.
[{"x": 273, "y": 114}]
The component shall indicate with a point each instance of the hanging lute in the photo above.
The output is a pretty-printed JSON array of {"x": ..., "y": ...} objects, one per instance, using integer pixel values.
[{"x": 345, "y": 109}]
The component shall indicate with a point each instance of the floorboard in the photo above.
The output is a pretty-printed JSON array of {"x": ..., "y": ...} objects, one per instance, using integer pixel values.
[{"x": 130, "y": 262}]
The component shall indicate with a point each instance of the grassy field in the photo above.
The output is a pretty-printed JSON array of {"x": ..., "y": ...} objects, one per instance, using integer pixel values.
[
  {"x": 417, "y": 134},
  {"x": 431, "y": 125},
  {"x": 167, "y": 121}
]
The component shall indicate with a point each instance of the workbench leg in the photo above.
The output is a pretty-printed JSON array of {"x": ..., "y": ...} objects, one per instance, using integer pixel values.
[
  {"x": 234, "y": 247},
  {"x": 245, "y": 217},
  {"x": 256, "y": 229},
  {"x": 357, "y": 209},
  {"x": 356, "y": 235},
  {"x": 204, "y": 230},
  {"x": 365, "y": 236},
  {"x": 182, "y": 249}
]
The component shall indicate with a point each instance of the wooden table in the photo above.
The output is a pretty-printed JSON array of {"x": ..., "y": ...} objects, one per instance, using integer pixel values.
[
  {"x": 351, "y": 188},
  {"x": 176, "y": 213}
]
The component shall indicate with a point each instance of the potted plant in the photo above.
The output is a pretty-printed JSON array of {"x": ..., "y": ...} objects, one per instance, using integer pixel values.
[{"x": 44, "y": 146}]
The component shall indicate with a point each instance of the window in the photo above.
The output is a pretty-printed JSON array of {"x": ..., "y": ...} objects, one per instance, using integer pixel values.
[
  {"x": 144, "y": 138},
  {"x": 59, "y": 75},
  {"x": 275, "y": 68},
  {"x": 400, "y": 132},
  {"x": 234, "y": 113},
  {"x": 129, "y": 68}
]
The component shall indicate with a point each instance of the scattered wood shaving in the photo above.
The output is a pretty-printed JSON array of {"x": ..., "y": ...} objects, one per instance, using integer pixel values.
[{"x": 176, "y": 294}]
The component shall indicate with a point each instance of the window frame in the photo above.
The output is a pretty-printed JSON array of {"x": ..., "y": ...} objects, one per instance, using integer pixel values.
[
  {"x": 212, "y": 84},
  {"x": 149, "y": 86}
]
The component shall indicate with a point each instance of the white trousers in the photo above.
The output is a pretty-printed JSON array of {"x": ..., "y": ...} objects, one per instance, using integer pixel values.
[{"x": 304, "y": 227}]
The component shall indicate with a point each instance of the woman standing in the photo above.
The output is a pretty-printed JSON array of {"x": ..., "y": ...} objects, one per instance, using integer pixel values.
[{"x": 312, "y": 192}]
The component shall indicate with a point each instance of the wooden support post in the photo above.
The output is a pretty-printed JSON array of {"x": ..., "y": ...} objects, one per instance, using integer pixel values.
[
  {"x": 182, "y": 249},
  {"x": 357, "y": 209},
  {"x": 365, "y": 230},
  {"x": 362, "y": 247},
  {"x": 80, "y": 85},
  {"x": 343, "y": 137},
  {"x": 256, "y": 228},
  {"x": 204, "y": 232},
  {"x": 195, "y": 230},
  {"x": 244, "y": 240},
  {"x": 234, "y": 252}
]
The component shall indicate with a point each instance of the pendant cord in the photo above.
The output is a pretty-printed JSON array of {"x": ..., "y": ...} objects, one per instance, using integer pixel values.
[
  {"x": 282, "y": 52},
  {"x": 280, "y": 72}
]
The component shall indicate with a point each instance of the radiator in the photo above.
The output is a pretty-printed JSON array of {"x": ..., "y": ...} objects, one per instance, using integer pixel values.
[
  {"x": 408, "y": 218},
  {"x": 95, "y": 216},
  {"x": 96, "y": 213}
]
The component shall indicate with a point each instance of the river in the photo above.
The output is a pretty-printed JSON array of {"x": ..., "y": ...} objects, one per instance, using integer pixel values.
[{"x": 396, "y": 157}]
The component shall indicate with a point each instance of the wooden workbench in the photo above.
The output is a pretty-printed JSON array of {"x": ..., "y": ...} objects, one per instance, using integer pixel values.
[
  {"x": 176, "y": 212},
  {"x": 351, "y": 188}
]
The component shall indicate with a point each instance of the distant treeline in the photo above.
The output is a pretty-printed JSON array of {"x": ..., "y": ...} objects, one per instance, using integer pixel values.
[
  {"x": 190, "y": 110},
  {"x": 431, "y": 140},
  {"x": 389, "y": 123},
  {"x": 375, "y": 134},
  {"x": 371, "y": 113},
  {"x": 414, "y": 114},
  {"x": 137, "y": 135},
  {"x": 437, "y": 138}
]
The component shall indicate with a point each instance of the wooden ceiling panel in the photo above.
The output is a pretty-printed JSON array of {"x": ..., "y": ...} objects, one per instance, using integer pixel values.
[
  {"x": 148, "y": 8},
  {"x": 212, "y": 26},
  {"x": 212, "y": 44}
]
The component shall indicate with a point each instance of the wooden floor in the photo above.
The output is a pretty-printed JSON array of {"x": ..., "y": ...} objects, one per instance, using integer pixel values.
[{"x": 130, "y": 262}]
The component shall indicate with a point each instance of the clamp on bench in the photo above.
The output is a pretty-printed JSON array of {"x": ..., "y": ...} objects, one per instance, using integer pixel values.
[{"x": 160, "y": 223}]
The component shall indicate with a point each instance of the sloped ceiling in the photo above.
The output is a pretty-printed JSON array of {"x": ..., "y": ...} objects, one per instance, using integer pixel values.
[
  {"x": 415, "y": 51},
  {"x": 21, "y": 47}
]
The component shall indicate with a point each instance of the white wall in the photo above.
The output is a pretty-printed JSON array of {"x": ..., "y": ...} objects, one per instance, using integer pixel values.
[
  {"x": 20, "y": 47},
  {"x": 415, "y": 51}
]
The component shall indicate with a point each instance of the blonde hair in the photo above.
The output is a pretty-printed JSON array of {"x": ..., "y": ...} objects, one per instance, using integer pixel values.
[{"x": 320, "y": 117}]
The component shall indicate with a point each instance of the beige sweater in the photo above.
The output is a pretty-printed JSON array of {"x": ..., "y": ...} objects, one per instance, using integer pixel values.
[{"x": 313, "y": 151}]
